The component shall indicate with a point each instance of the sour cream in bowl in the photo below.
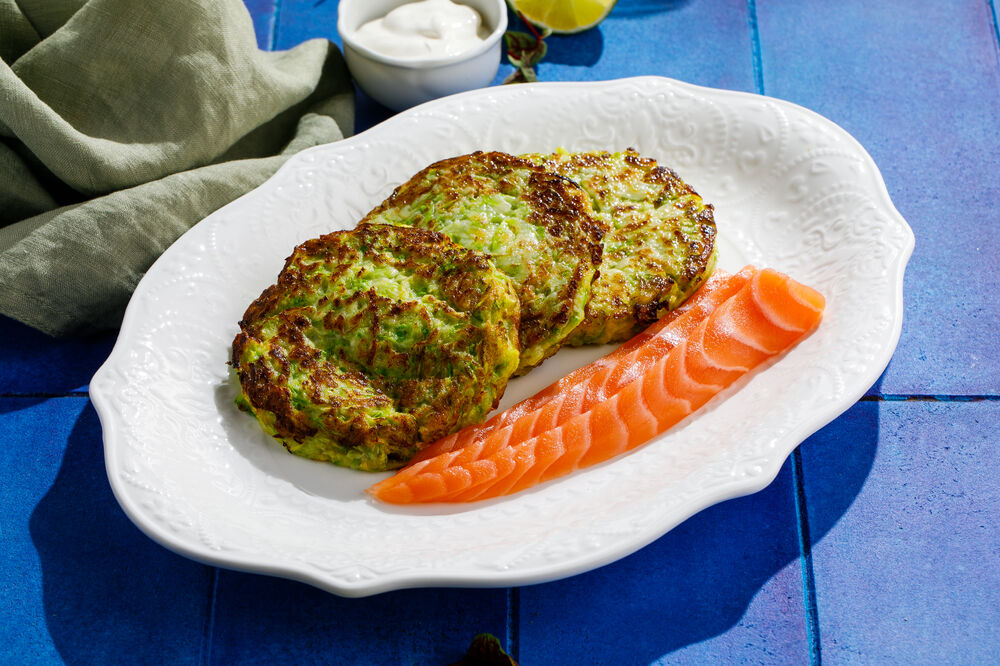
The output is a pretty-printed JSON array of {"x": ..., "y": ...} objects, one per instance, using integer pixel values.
[{"x": 405, "y": 53}]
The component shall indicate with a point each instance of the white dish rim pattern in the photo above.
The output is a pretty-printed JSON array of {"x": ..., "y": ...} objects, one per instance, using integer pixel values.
[{"x": 152, "y": 507}]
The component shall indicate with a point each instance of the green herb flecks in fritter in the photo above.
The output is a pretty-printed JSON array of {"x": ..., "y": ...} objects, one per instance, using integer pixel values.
[
  {"x": 537, "y": 226},
  {"x": 660, "y": 246},
  {"x": 375, "y": 342}
]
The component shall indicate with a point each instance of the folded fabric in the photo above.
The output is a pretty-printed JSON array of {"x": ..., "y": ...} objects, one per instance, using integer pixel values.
[{"x": 124, "y": 123}]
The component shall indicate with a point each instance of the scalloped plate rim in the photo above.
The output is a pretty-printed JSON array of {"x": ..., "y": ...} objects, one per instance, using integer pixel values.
[{"x": 112, "y": 436}]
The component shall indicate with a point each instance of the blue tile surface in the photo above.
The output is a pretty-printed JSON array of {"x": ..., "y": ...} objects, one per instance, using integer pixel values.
[
  {"x": 32, "y": 362},
  {"x": 80, "y": 583},
  {"x": 916, "y": 83},
  {"x": 719, "y": 57},
  {"x": 706, "y": 43},
  {"x": 877, "y": 543},
  {"x": 299, "y": 20},
  {"x": 262, "y": 620},
  {"x": 910, "y": 571},
  {"x": 262, "y": 12},
  {"x": 725, "y": 585}
]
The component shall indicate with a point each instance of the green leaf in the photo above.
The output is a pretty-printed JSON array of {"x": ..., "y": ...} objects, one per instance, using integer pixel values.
[
  {"x": 517, "y": 42},
  {"x": 485, "y": 650},
  {"x": 524, "y": 48},
  {"x": 524, "y": 51}
]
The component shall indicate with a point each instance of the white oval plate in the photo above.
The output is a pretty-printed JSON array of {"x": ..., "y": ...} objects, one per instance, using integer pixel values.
[{"x": 792, "y": 191}]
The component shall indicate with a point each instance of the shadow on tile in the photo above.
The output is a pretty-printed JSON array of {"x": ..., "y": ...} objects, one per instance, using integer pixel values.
[
  {"x": 368, "y": 112},
  {"x": 265, "y": 620},
  {"x": 730, "y": 574},
  {"x": 583, "y": 49},
  {"x": 109, "y": 591},
  {"x": 34, "y": 363}
]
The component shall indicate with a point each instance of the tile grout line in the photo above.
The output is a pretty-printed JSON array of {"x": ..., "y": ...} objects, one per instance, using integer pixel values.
[
  {"x": 272, "y": 38},
  {"x": 513, "y": 622},
  {"x": 207, "y": 640},
  {"x": 805, "y": 550},
  {"x": 992, "y": 7},
  {"x": 924, "y": 397},
  {"x": 755, "y": 56},
  {"x": 802, "y": 523}
]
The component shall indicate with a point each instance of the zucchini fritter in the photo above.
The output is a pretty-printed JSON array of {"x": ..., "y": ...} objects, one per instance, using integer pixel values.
[
  {"x": 375, "y": 342},
  {"x": 659, "y": 247},
  {"x": 537, "y": 226}
]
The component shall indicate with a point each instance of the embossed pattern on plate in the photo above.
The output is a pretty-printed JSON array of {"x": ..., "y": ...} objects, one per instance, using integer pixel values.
[{"x": 792, "y": 191}]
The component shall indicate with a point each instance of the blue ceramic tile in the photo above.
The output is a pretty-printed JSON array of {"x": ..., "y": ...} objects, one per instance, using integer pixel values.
[
  {"x": 299, "y": 20},
  {"x": 909, "y": 572},
  {"x": 262, "y": 12},
  {"x": 650, "y": 37},
  {"x": 772, "y": 629},
  {"x": 80, "y": 583},
  {"x": 706, "y": 42},
  {"x": 916, "y": 83},
  {"x": 32, "y": 362},
  {"x": 723, "y": 587},
  {"x": 265, "y": 620}
]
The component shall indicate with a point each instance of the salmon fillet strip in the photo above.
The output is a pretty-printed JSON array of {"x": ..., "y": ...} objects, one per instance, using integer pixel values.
[{"x": 767, "y": 315}]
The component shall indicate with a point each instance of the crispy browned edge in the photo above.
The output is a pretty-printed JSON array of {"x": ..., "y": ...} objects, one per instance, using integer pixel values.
[
  {"x": 558, "y": 205},
  {"x": 255, "y": 377},
  {"x": 673, "y": 186}
]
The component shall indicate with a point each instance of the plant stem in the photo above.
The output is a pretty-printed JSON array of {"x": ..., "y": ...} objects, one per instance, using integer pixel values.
[{"x": 530, "y": 27}]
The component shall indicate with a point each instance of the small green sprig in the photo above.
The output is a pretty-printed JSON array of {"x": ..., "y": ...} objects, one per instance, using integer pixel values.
[{"x": 524, "y": 51}]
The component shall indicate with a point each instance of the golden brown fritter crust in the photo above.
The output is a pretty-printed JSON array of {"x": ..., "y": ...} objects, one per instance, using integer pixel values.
[
  {"x": 374, "y": 342},
  {"x": 659, "y": 247},
  {"x": 538, "y": 226}
]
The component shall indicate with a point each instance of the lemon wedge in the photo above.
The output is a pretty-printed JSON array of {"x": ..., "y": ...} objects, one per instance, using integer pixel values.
[{"x": 564, "y": 16}]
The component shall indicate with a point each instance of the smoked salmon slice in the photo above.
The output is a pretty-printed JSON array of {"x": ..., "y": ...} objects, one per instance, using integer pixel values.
[
  {"x": 765, "y": 316},
  {"x": 583, "y": 388}
]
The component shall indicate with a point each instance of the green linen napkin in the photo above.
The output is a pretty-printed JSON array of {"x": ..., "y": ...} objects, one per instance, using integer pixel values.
[{"x": 122, "y": 124}]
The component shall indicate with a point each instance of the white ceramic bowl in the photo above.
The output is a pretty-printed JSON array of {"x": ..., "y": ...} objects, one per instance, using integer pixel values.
[{"x": 400, "y": 83}]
